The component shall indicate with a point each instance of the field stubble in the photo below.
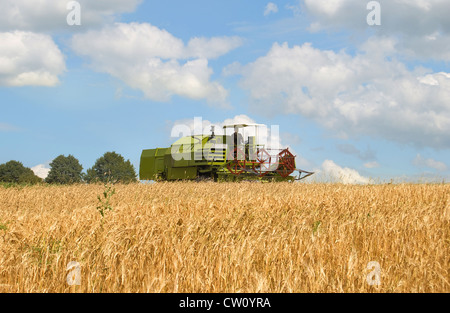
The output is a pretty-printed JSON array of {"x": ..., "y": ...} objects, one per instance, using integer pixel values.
[{"x": 226, "y": 237}]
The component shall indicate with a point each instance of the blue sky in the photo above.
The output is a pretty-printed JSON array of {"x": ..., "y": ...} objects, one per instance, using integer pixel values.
[{"x": 356, "y": 103}]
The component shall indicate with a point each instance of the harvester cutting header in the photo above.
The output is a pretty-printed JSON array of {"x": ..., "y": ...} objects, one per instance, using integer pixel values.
[{"x": 224, "y": 157}]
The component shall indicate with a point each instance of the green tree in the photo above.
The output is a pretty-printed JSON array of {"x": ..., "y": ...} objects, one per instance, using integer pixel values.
[
  {"x": 64, "y": 170},
  {"x": 111, "y": 167},
  {"x": 15, "y": 172},
  {"x": 29, "y": 178}
]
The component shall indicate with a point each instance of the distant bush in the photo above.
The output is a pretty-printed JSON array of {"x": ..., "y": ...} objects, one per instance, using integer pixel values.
[
  {"x": 111, "y": 167},
  {"x": 64, "y": 170},
  {"x": 15, "y": 172}
]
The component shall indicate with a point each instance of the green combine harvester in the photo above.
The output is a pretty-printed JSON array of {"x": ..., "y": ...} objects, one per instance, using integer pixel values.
[{"x": 219, "y": 158}]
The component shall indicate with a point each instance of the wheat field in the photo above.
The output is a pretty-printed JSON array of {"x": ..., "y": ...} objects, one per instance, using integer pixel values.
[{"x": 226, "y": 237}]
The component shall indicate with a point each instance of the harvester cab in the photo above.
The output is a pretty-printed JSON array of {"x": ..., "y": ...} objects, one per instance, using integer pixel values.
[{"x": 244, "y": 138}]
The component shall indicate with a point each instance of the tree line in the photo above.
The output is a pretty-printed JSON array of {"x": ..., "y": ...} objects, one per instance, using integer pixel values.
[{"x": 111, "y": 167}]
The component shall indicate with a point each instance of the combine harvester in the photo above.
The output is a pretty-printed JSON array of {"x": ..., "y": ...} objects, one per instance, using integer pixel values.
[{"x": 220, "y": 158}]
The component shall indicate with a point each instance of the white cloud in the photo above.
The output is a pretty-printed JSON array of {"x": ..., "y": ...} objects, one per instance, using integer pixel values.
[
  {"x": 412, "y": 17},
  {"x": 344, "y": 175},
  {"x": 270, "y": 8},
  {"x": 41, "y": 170},
  {"x": 49, "y": 15},
  {"x": 211, "y": 48},
  {"x": 154, "y": 61},
  {"x": 29, "y": 59},
  {"x": 364, "y": 94},
  {"x": 422, "y": 26},
  {"x": 373, "y": 164},
  {"x": 328, "y": 8},
  {"x": 420, "y": 161}
]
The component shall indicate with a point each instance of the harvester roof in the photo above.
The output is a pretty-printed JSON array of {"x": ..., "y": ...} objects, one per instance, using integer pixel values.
[{"x": 242, "y": 125}]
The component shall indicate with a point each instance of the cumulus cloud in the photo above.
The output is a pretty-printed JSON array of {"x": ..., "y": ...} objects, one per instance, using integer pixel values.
[
  {"x": 41, "y": 170},
  {"x": 413, "y": 17},
  {"x": 270, "y": 8},
  {"x": 156, "y": 62},
  {"x": 344, "y": 175},
  {"x": 420, "y": 161},
  {"x": 422, "y": 26},
  {"x": 211, "y": 48},
  {"x": 49, "y": 15},
  {"x": 28, "y": 58},
  {"x": 364, "y": 94}
]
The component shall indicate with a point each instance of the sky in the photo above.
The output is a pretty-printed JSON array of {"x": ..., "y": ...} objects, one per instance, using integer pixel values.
[{"x": 360, "y": 90}]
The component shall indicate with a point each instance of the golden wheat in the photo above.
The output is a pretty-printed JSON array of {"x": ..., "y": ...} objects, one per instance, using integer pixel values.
[{"x": 226, "y": 237}]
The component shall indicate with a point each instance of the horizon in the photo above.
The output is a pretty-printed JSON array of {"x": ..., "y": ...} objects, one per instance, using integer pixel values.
[{"x": 359, "y": 89}]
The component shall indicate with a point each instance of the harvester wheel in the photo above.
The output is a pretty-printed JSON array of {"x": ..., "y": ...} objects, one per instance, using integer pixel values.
[
  {"x": 286, "y": 163},
  {"x": 262, "y": 165},
  {"x": 236, "y": 161}
]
